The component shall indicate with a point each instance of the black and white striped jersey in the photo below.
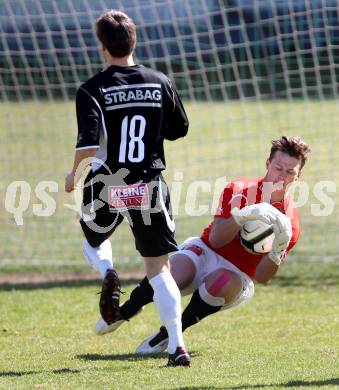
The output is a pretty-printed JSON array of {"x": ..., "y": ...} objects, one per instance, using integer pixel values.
[{"x": 126, "y": 113}]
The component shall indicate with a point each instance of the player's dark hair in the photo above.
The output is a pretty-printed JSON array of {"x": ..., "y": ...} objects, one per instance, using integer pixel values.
[
  {"x": 293, "y": 146},
  {"x": 117, "y": 32}
]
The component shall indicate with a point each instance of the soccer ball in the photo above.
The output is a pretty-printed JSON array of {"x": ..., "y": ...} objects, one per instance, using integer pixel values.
[{"x": 257, "y": 237}]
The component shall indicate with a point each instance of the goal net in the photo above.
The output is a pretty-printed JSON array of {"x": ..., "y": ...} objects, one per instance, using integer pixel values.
[{"x": 248, "y": 72}]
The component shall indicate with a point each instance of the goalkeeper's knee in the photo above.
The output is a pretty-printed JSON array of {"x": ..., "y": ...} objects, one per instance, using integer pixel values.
[
  {"x": 245, "y": 293},
  {"x": 232, "y": 287}
]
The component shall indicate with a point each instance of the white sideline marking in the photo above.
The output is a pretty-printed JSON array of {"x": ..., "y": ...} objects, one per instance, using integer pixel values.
[{"x": 136, "y": 261}]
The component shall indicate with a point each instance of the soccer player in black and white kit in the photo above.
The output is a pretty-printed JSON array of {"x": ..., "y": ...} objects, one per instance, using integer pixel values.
[{"x": 124, "y": 113}]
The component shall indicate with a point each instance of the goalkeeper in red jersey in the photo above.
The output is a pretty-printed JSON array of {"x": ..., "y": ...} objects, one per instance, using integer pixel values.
[{"x": 215, "y": 268}]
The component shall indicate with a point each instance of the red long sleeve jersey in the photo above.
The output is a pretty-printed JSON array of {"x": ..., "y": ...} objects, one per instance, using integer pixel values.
[{"x": 240, "y": 193}]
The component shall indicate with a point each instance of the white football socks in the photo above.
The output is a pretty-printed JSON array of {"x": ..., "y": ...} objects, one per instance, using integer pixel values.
[
  {"x": 100, "y": 257},
  {"x": 168, "y": 301}
]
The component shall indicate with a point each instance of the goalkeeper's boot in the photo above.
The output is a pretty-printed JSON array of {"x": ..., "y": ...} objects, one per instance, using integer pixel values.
[
  {"x": 154, "y": 344},
  {"x": 101, "y": 327},
  {"x": 110, "y": 297},
  {"x": 179, "y": 358}
]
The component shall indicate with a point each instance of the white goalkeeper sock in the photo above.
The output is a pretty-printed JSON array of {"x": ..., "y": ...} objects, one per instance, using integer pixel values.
[
  {"x": 168, "y": 301},
  {"x": 100, "y": 257}
]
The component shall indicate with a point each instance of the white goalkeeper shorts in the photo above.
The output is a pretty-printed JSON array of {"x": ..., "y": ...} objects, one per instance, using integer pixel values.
[{"x": 207, "y": 261}]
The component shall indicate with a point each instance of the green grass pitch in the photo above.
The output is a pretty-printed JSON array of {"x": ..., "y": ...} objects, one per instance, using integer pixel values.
[{"x": 286, "y": 337}]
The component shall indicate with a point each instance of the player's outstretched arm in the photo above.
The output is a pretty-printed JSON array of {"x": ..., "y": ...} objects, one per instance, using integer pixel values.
[{"x": 82, "y": 158}]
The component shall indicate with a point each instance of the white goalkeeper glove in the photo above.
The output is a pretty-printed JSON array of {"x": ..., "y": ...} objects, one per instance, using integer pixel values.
[
  {"x": 283, "y": 233},
  {"x": 262, "y": 211}
]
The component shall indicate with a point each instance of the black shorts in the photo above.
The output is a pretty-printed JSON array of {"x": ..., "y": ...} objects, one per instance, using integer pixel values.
[{"x": 145, "y": 205}]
